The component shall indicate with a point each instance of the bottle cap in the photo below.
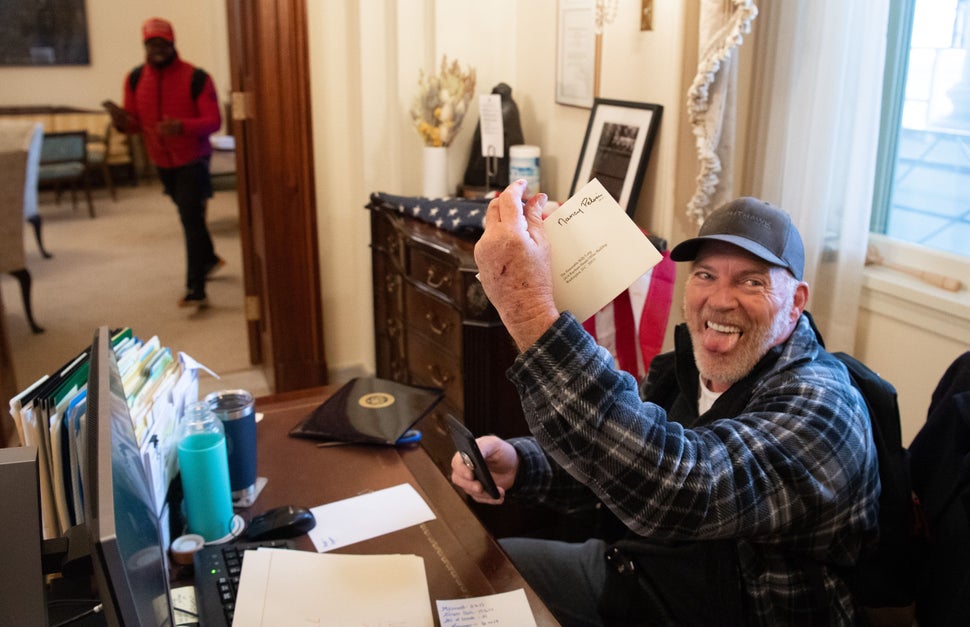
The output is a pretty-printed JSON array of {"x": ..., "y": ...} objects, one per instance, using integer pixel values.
[
  {"x": 185, "y": 547},
  {"x": 524, "y": 151}
]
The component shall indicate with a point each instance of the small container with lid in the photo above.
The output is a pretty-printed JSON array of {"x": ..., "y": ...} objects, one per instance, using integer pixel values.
[
  {"x": 524, "y": 164},
  {"x": 204, "y": 466}
]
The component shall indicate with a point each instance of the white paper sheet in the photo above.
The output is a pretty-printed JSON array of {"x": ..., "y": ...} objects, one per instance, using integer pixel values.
[
  {"x": 282, "y": 587},
  {"x": 509, "y": 609},
  {"x": 367, "y": 516}
]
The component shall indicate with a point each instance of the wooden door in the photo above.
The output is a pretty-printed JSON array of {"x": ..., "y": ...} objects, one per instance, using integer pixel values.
[{"x": 274, "y": 164}]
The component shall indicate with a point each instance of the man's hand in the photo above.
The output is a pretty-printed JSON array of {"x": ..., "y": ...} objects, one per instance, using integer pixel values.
[
  {"x": 119, "y": 117},
  {"x": 502, "y": 461},
  {"x": 514, "y": 264},
  {"x": 170, "y": 127}
]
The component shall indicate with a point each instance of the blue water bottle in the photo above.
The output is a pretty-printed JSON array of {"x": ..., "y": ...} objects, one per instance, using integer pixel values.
[{"x": 204, "y": 466}]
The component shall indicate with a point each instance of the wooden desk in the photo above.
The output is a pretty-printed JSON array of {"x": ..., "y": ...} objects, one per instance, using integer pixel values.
[{"x": 461, "y": 558}]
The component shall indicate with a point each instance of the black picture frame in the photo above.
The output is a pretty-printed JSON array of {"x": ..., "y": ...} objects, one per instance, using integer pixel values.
[
  {"x": 616, "y": 148},
  {"x": 48, "y": 32}
]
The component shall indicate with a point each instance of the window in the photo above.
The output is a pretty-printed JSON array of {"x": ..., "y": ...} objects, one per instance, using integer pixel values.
[{"x": 922, "y": 193}]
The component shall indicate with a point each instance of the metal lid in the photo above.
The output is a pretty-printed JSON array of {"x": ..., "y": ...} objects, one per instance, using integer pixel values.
[{"x": 230, "y": 404}]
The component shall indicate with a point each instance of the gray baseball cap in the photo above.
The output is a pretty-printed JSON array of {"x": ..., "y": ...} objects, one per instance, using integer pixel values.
[{"x": 758, "y": 227}]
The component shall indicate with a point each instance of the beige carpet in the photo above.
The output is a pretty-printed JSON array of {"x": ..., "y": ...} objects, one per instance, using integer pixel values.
[{"x": 126, "y": 267}]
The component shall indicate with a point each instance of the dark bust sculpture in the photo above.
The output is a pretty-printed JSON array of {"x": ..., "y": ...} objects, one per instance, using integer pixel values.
[{"x": 475, "y": 173}]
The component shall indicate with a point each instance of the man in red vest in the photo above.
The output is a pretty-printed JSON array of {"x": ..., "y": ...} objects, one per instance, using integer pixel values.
[{"x": 175, "y": 107}]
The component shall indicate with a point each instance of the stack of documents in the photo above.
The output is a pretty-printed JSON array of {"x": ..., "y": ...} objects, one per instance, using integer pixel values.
[
  {"x": 50, "y": 415},
  {"x": 285, "y": 587}
]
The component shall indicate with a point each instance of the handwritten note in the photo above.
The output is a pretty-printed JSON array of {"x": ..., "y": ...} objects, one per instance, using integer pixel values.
[
  {"x": 597, "y": 251},
  {"x": 506, "y": 608},
  {"x": 367, "y": 516}
]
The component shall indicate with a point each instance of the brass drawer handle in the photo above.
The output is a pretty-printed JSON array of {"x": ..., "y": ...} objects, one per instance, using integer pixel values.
[
  {"x": 393, "y": 245},
  {"x": 439, "y": 378},
  {"x": 437, "y": 327},
  {"x": 436, "y": 282}
]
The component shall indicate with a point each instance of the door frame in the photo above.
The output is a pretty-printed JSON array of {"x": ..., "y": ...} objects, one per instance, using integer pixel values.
[{"x": 272, "y": 124}]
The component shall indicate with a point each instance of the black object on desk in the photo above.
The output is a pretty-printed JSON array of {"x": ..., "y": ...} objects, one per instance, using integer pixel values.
[
  {"x": 287, "y": 521},
  {"x": 369, "y": 410}
]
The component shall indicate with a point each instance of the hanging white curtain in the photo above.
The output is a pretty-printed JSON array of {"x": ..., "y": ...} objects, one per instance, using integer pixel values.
[
  {"x": 712, "y": 100},
  {"x": 814, "y": 133}
]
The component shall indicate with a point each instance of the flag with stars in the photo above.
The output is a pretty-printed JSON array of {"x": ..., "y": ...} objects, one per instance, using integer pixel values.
[{"x": 462, "y": 216}]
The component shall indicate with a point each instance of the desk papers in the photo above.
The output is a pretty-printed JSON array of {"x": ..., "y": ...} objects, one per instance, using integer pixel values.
[
  {"x": 367, "y": 516},
  {"x": 284, "y": 587},
  {"x": 597, "y": 251},
  {"x": 504, "y": 608}
]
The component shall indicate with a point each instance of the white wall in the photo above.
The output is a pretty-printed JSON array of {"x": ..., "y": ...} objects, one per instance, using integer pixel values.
[{"x": 115, "y": 45}]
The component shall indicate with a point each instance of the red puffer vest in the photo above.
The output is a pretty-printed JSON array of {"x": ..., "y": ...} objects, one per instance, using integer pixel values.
[{"x": 166, "y": 94}]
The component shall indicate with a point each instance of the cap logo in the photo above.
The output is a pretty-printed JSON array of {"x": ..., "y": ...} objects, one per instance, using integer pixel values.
[{"x": 762, "y": 221}]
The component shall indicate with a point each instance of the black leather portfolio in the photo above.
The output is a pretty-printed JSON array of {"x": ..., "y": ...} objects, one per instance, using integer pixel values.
[{"x": 369, "y": 410}]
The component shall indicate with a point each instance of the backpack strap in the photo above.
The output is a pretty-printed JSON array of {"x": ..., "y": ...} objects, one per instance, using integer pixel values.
[
  {"x": 134, "y": 76},
  {"x": 199, "y": 78}
]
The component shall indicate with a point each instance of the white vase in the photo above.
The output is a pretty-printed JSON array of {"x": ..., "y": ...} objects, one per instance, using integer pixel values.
[{"x": 435, "y": 171}]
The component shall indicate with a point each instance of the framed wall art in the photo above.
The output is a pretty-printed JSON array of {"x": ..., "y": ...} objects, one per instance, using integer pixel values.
[
  {"x": 43, "y": 32},
  {"x": 576, "y": 53},
  {"x": 616, "y": 148}
]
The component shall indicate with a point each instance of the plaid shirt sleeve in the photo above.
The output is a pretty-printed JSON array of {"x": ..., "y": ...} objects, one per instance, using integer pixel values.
[{"x": 795, "y": 468}]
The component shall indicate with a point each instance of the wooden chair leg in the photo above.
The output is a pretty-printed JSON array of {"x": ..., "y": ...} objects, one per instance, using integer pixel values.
[
  {"x": 87, "y": 194},
  {"x": 108, "y": 181},
  {"x": 23, "y": 276},
  {"x": 36, "y": 222}
]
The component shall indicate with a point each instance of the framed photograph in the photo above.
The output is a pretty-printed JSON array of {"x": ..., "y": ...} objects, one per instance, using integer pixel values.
[
  {"x": 618, "y": 140},
  {"x": 576, "y": 53}
]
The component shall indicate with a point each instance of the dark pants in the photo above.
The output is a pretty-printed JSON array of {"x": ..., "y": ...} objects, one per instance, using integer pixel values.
[
  {"x": 595, "y": 584},
  {"x": 190, "y": 187}
]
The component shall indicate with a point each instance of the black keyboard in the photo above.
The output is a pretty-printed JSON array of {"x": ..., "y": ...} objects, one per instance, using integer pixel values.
[{"x": 217, "y": 570}]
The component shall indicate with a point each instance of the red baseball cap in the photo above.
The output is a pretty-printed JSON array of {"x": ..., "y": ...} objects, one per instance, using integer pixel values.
[{"x": 157, "y": 27}]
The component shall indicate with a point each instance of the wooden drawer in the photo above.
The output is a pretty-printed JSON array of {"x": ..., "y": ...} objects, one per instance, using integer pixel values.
[
  {"x": 430, "y": 366},
  {"x": 435, "y": 274},
  {"x": 434, "y": 319}
]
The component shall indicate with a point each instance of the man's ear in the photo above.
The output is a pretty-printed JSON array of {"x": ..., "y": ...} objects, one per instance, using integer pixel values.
[{"x": 800, "y": 300}]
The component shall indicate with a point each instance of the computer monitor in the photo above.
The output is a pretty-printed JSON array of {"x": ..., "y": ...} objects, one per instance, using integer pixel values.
[{"x": 130, "y": 568}]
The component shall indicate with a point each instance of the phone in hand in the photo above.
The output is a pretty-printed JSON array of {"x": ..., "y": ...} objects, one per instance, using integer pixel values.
[{"x": 471, "y": 455}]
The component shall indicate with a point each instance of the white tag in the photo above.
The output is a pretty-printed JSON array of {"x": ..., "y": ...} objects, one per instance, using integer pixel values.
[{"x": 490, "y": 111}]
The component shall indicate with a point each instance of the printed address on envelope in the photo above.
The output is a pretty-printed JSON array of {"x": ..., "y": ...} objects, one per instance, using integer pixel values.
[{"x": 597, "y": 251}]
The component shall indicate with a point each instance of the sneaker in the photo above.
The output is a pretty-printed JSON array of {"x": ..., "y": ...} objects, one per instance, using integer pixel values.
[
  {"x": 191, "y": 300},
  {"x": 214, "y": 267}
]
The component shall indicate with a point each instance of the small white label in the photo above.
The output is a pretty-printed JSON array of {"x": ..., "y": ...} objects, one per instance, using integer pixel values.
[{"x": 490, "y": 111}]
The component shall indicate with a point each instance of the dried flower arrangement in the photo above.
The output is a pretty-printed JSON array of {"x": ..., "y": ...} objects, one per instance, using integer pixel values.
[{"x": 441, "y": 103}]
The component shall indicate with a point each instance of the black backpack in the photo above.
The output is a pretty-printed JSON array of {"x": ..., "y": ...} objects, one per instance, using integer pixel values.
[
  {"x": 199, "y": 77},
  {"x": 941, "y": 478},
  {"x": 890, "y": 568}
]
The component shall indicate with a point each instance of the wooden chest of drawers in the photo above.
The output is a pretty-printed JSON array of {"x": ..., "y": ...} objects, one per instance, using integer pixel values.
[{"x": 434, "y": 326}]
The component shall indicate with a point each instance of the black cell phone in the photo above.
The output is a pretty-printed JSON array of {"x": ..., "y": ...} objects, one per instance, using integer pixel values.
[{"x": 471, "y": 455}]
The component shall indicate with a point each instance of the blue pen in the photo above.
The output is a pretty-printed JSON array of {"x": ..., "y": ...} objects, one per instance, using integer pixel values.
[{"x": 411, "y": 436}]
